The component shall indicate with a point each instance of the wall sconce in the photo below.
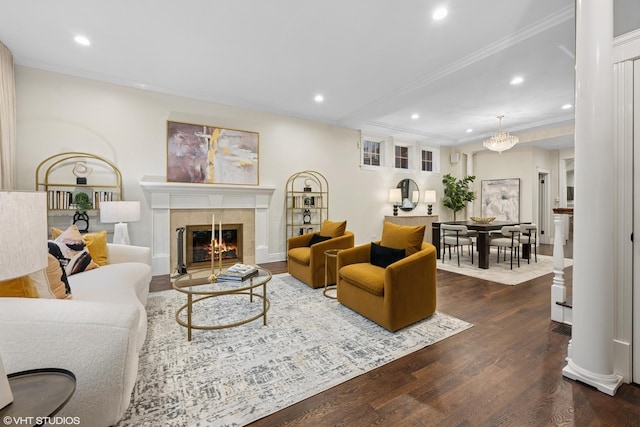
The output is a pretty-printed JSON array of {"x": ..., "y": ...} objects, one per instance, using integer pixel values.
[
  {"x": 429, "y": 199},
  {"x": 395, "y": 197},
  {"x": 23, "y": 215},
  {"x": 120, "y": 213}
]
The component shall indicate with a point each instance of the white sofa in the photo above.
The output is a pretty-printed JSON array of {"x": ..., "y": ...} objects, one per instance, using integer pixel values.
[{"x": 97, "y": 335}]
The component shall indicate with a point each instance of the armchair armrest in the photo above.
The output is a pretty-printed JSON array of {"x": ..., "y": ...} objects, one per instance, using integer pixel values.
[
  {"x": 412, "y": 276},
  {"x": 117, "y": 254},
  {"x": 342, "y": 242},
  {"x": 354, "y": 255},
  {"x": 299, "y": 241}
]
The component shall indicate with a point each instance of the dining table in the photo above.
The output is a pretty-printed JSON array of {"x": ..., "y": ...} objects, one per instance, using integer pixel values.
[{"x": 482, "y": 242}]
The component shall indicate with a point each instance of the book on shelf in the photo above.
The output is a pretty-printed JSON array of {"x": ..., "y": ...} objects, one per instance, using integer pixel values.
[{"x": 239, "y": 272}]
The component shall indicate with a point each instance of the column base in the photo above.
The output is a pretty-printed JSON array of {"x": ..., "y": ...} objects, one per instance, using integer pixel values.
[{"x": 607, "y": 384}]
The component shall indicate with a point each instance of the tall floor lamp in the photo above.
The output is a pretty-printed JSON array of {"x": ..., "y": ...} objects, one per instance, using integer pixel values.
[
  {"x": 120, "y": 213},
  {"x": 23, "y": 247}
]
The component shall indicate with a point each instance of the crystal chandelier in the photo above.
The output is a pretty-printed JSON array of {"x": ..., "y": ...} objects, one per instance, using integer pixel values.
[{"x": 500, "y": 141}]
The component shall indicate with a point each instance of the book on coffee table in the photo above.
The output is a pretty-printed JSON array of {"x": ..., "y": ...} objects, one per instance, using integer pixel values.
[{"x": 239, "y": 272}]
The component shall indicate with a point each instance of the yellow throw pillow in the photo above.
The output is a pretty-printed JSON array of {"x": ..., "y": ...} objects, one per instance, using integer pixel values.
[
  {"x": 405, "y": 237},
  {"x": 21, "y": 287},
  {"x": 51, "y": 282},
  {"x": 332, "y": 228},
  {"x": 96, "y": 244}
]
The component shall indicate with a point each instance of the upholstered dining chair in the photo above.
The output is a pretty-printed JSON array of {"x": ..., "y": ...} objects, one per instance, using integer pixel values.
[
  {"x": 529, "y": 236},
  {"x": 507, "y": 237},
  {"x": 457, "y": 236}
]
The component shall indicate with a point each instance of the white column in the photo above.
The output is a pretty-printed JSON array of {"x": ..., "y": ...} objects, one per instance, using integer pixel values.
[
  {"x": 591, "y": 347},
  {"x": 470, "y": 172},
  {"x": 558, "y": 290}
]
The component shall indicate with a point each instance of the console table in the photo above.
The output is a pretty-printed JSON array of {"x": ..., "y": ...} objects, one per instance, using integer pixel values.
[{"x": 427, "y": 220}]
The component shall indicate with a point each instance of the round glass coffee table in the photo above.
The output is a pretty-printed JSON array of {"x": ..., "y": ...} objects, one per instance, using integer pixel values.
[{"x": 198, "y": 287}]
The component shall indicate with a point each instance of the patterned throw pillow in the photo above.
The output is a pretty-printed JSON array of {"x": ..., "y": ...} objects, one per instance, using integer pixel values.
[
  {"x": 51, "y": 281},
  {"x": 96, "y": 244},
  {"x": 71, "y": 251}
]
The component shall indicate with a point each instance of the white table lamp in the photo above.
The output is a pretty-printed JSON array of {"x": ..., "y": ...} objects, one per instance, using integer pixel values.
[
  {"x": 395, "y": 197},
  {"x": 429, "y": 199},
  {"x": 120, "y": 213},
  {"x": 23, "y": 247}
]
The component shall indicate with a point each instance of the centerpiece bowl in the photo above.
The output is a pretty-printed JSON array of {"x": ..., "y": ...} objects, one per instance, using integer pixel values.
[{"x": 482, "y": 219}]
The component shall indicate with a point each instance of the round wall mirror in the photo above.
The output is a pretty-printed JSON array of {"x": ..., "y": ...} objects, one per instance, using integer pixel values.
[{"x": 410, "y": 194}]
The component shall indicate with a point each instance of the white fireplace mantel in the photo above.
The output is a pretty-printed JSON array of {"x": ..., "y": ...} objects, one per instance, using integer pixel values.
[{"x": 166, "y": 196}]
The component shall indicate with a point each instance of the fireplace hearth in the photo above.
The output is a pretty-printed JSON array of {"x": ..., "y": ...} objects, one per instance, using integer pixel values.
[{"x": 199, "y": 249}]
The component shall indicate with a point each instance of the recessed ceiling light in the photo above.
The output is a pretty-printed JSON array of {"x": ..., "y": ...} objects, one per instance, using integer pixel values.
[
  {"x": 517, "y": 80},
  {"x": 82, "y": 40},
  {"x": 439, "y": 13},
  {"x": 567, "y": 106},
  {"x": 415, "y": 116},
  {"x": 469, "y": 130},
  {"x": 318, "y": 98}
]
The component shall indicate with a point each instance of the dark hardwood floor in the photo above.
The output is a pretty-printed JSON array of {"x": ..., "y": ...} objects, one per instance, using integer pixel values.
[{"x": 506, "y": 370}]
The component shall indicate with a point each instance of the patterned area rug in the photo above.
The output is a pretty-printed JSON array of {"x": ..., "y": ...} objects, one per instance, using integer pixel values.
[
  {"x": 500, "y": 272},
  {"x": 232, "y": 377}
]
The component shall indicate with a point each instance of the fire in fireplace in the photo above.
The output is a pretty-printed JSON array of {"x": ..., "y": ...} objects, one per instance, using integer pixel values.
[{"x": 199, "y": 248}]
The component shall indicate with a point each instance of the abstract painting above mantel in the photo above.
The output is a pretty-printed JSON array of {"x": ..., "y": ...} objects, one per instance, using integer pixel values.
[
  {"x": 500, "y": 198},
  {"x": 211, "y": 155}
]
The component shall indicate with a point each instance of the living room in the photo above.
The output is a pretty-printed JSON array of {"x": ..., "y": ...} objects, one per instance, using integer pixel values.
[{"x": 127, "y": 124}]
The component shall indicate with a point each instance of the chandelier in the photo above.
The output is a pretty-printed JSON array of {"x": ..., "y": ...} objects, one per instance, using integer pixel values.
[{"x": 500, "y": 141}]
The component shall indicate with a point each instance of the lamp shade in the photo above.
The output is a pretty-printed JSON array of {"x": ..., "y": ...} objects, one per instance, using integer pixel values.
[
  {"x": 23, "y": 242},
  {"x": 119, "y": 211},
  {"x": 430, "y": 196},
  {"x": 395, "y": 195}
]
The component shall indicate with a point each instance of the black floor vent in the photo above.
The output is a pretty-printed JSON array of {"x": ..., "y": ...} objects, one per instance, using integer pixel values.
[{"x": 563, "y": 329}]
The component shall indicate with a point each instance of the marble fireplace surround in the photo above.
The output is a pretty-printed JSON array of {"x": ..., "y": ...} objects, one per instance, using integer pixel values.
[{"x": 173, "y": 204}]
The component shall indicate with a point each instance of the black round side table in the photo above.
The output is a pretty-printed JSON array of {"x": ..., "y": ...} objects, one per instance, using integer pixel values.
[{"x": 37, "y": 395}]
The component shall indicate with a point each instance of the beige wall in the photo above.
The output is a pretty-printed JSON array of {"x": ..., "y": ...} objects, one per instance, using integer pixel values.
[{"x": 58, "y": 113}]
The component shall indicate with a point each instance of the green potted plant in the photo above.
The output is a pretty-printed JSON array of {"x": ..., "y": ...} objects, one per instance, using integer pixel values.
[
  {"x": 457, "y": 193},
  {"x": 81, "y": 218}
]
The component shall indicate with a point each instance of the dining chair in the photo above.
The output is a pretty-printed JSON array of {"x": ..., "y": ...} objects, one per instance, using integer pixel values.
[
  {"x": 507, "y": 237},
  {"x": 529, "y": 236},
  {"x": 458, "y": 236}
]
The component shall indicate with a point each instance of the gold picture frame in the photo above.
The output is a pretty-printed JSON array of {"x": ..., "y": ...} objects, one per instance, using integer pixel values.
[{"x": 212, "y": 155}]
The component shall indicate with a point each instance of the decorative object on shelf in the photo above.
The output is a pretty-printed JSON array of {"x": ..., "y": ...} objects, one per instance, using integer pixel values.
[
  {"x": 22, "y": 213},
  {"x": 395, "y": 197},
  {"x": 82, "y": 171},
  {"x": 227, "y": 156},
  {"x": 501, "y": 198},
  {"x": 81, "y": 218},
  {"x": 500, "y": 141},
  {"x": 482, "y": 219},
  {"x": 306, "y": 202},
  {"x": 430, "y": 199},
  {"x": 457, "y": 193},
  {"x": 120, "y": 213}
]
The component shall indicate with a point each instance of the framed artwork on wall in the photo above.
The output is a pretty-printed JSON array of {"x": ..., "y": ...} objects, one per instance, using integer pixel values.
[
  {"x": 501, "y": 198},
  {"x": 212, "y": 155}
]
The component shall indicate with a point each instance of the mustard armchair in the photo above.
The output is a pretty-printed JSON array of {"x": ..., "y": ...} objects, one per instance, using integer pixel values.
[
  {"x": 306, "y": 263},
  {"x": 394, "y": 297}
]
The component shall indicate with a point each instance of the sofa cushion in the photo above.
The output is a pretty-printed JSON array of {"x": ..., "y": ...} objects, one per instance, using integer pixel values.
[
  {"x": 301, "y": 255},
  {"x": 96, "y": 244},
  {"x": 383, "y": 256},
  {"x": 51, "y": 281},
  {"x": 405, "y": 237},
  {"x": 21, "y": 287},
  {"x": 71, "y": 251},
  {"x": 333, "y": 228},
  {"x": 317, "y": 238},
  {"x": 365, "y": 276}
]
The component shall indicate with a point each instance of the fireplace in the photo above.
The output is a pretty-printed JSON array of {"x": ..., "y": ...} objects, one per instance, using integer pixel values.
[{"x": 199, "y": 250}]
